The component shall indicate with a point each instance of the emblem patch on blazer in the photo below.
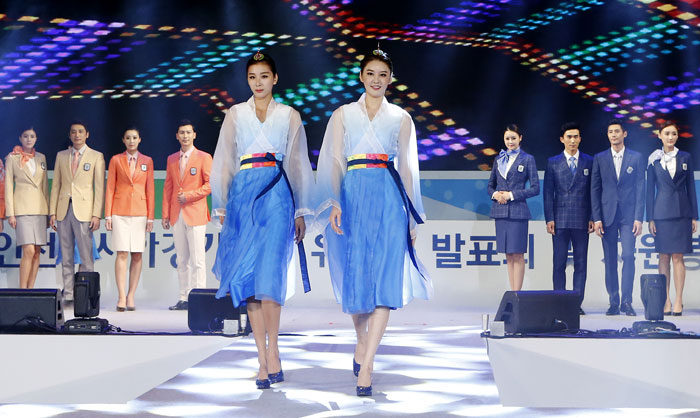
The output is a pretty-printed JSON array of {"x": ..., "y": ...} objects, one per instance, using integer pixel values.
[
  {"x": 585, "y": 171},
  {"x": 521, "y": 168},
  {"x": 193, "y": 171},
  {"x": 43, "y": 165},
  {"x": 630, "y": 170},
  {"x": 86, "y": 167},
  {"x": 144, "y": 167},
  {"x": 685, "y": 167}
]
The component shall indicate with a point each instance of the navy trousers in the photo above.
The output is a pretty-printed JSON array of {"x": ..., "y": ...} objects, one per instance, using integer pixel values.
[
  {"x": 623, "y": 232},
  {"x": 560, "y": 243}
]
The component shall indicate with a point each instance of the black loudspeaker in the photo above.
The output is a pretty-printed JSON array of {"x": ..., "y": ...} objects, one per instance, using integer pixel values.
[
  {"x": 538, "y": 311},
  {"x": 653, "y": 296},
  {"x": 30, "y": 310},
  {"x": 86, "y": 294},
  {"x": 206, "y": 313}
]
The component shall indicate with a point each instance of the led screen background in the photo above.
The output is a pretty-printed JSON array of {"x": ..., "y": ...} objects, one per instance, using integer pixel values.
[{"x": 463, "y": 69}]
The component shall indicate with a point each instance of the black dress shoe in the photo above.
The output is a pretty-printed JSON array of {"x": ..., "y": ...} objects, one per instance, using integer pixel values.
[
  {"x": 613, "y": 310},
  {"x": 181, "y": 305},
  {"x": 581, "y": 312},
  {"x": 628, "y": 309}
]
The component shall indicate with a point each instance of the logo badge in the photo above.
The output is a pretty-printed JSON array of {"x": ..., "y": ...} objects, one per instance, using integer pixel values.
[
  {"x": 585, "y": 171},
  {"x": 193, "y": 171},
  {"x": 521, "y": 168},
  {"x": 43, "y": 165},
  {"x": 86, "y": 167},
  {"x": 144, "y": 167},
  {"x": 685, "y": 167},
  {"x": 630, "y": 170}
]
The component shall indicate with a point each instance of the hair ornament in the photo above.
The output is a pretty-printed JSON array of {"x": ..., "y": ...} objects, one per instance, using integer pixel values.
[
  {"x": 258, "y": 56},
  {"x": 378, "y": 52}
]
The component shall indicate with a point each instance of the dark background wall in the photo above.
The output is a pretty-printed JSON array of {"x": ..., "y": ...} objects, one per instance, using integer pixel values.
[{"x": 463, "y": 69}]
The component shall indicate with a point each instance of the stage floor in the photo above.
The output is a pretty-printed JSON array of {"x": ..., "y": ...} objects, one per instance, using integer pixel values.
[{"x": 431, "y": 363}]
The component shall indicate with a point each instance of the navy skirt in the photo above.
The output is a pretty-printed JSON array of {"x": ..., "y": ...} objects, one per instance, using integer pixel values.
[
  {"x": 674, "y": 236},
  {"x": 511, "y": 235}
]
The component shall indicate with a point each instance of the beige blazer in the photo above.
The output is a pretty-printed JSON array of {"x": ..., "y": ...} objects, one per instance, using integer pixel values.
[
  {"x": 26, "y": 194},
  {"x": 86, "y": 189}
]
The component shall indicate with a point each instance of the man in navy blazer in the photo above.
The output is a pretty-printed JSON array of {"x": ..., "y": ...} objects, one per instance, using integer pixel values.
[
  {"x": 617, "y": 202},
  {"x": 567, "y": 208}
]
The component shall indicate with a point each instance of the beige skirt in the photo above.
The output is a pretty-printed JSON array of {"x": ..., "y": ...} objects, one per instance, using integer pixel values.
[
  {"x": 31, "y": 229},
  {"x": 129, "y": 233}
]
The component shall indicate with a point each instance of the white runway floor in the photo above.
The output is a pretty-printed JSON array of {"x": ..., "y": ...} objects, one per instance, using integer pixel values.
[{"x": 430, "y": 364}]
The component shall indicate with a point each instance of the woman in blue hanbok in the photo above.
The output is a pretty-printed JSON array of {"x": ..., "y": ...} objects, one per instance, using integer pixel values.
[
  {"x": 370, "y": 204},
  {"x": 261, "y": 182}
]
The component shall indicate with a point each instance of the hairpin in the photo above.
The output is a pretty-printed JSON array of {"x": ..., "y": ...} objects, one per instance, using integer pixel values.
[
  {"x": 379, "y": 52},
  {"x": 258, "y": 56}
]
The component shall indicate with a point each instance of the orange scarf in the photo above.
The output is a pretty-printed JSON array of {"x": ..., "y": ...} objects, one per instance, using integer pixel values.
[{"x": 17, "y": 150}]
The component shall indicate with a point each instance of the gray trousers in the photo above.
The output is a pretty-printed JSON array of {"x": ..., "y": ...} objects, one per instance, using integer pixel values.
[{"x": 71, "y": 232}]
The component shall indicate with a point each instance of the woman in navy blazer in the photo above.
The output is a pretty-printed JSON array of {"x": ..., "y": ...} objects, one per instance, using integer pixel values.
[
  {"x": 511, "y": 171},
  {"x": 672, "y": 210}
]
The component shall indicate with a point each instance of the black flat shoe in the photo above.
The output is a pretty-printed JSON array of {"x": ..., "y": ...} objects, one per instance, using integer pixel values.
[
  {"x": 613, "y": 310},
  {"x": 262, "y": 383},
  {"x": 364, "y": 390}
]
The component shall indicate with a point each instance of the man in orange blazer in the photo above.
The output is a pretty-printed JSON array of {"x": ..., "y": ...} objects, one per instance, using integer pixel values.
[
  {"x": 185, "y": 208},
  {"x": 77, "y": 196},
  {"x": 129, "y": 212}
]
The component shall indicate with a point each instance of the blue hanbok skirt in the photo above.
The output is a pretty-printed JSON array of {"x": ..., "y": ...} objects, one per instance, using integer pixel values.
[
  {"x": 255, "y": 249},
  {"x": 369, "y": 264}
]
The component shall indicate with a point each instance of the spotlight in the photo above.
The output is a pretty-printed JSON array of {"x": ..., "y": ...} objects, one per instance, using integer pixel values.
[{"x": 86, "y": 294}]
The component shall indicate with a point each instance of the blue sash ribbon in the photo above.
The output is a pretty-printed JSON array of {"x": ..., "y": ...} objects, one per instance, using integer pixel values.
[{"x": 282, "y": 174}]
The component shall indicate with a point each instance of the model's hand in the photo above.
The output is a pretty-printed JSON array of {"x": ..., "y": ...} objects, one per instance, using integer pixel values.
[
  {"x": 335, "y": 220},
  {"x": 652, "y": 228},
  {"x": 221, "y": 220},
  {"x": 637, "y": 228},
  {"x": 591, "y": 226},
  {"x": 503, "y": 197},
  {"x": 166, "y": 223},
  {"x": 2, "y": 222},
  {"x": 181, "y": 198},
  {"x": 550, "y": 227},
  {"x": 12, "y": 221},
  {"x": 299, "y": 229},
  {"x": 52, "y": 222},
  {"x": 94, "y": 224},
  {"x": 108, "y": 224},
  {"x": 695, "y": 225},
  {"x": 149, "y": 226},
  {"x": 599, "y": 229}
]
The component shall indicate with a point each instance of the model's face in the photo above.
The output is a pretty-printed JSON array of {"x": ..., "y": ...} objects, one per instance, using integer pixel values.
[
  {"x": 261, "y": 80},
  {"x": 78, "y": 135},
  {"x": 131, "y": 140},
  {"x": 571, "y": 140},
  {"x": 28, "y": 139},
  {"x": 185, "y": 136},
  {"x": 512, "y": 140},
  {"x": 669, "y": 136},
  {"x": 616, "y": 135},
  {"x": 376, "y": 77}
]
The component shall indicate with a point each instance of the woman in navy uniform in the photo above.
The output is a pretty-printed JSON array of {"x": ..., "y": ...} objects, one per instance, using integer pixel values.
[
  {"x": 512, "y": 170},
  {"x": 672, "y": 210}
]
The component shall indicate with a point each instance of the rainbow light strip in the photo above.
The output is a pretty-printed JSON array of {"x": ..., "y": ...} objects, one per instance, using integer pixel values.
[{"x": 680, "y": 10}]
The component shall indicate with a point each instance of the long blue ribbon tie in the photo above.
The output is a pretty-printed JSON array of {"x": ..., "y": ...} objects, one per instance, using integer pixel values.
[
  {"x": 300, "y": 246},
  {"x": 408, "y": 205}
]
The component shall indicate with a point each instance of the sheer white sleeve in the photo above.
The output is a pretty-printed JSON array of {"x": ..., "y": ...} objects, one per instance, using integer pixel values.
[
  {"x": 225, "y": 164},
  {"x": 331, "y": 170},
  {"x": 406, "y": 163},
  {"x": 298, "y": 168}
]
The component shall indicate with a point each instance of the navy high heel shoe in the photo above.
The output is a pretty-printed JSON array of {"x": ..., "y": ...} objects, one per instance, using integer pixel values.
[
  {"x": 355, "y": 367},
  {"x": 364, "y": 390},
  {"x": 276, "y": 377},
  {"x": 262, "y": 383}
]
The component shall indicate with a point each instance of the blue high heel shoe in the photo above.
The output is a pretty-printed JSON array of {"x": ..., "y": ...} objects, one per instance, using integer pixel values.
[
  {"x": 364, "y": 390},
  {"x": 276, "y": 377},
  {"x": 355, "y": 367},
  {"x": 262, "y": 383}
]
